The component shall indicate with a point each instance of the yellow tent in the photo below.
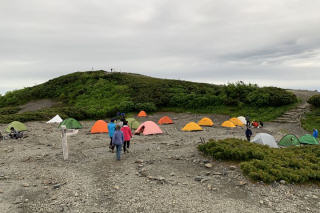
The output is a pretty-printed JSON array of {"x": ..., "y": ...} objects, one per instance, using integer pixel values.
[
  {"x": 192, "y": 126},
  {"x": 205, "y": 122},
  {"x": 236, "y": 121},
  {"x": 228, "y": 124}
]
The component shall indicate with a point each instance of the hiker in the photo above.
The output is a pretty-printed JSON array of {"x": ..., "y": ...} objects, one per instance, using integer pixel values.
[
  {"x": 248, "y": 133},
  {"x": 13, "y": 133},
  {"x": 261, "y": 124},
  {"x": 248, "y": 121},
  {"x": 315, "y": 133},
  {"x": 111, "y": 129},
  {"x": 117, "y": 140},
  {"x": 255, "y": 124},
  {"x": 127, "y": 134}
]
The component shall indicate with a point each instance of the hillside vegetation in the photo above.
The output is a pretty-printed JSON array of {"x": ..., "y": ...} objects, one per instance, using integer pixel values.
[
  {"x": 101, "y": 94},
  {"x": 312, "y": 119},
  {"x": 261, "y": 163}
]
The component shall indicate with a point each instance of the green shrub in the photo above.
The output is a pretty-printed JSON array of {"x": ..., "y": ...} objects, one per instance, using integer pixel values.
[
  {"x": 99, "y": 94},
  {"x": 261, "y": 163},
  {"x": 9, "y": 110},
  {"x": 311, "y": 120},
  {"x": 314, "y": 100}
]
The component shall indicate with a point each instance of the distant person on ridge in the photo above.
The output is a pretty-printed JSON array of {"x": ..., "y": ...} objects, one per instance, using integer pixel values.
[
  {"x": 315, "y": 133},
  {"x": 248, "y": 134},
  {"x": 111, "y": 129},
  {"x": 117, "y": 140},
  {"x": 127, "y": 134}
]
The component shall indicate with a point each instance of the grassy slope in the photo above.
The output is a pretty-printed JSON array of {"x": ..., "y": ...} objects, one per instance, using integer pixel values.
[
  {"x": 100, "y": 94},
  {"x": 311, "y": 120}
]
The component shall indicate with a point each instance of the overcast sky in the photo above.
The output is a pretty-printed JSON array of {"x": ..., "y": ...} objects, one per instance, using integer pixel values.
[{"x": 269, "y": 42}]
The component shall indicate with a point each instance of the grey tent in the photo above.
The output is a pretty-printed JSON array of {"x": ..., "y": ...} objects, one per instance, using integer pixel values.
[{"x": 265, "y": 139}]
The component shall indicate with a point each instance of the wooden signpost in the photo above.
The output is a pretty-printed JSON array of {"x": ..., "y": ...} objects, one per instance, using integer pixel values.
[{"x": 65, "y": 147}]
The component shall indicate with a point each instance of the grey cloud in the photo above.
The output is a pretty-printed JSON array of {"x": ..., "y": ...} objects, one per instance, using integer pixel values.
[{"x": 212, "y": 41}]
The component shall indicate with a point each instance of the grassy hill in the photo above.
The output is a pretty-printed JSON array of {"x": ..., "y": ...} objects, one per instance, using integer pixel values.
[{"x": 100, "y": 94}]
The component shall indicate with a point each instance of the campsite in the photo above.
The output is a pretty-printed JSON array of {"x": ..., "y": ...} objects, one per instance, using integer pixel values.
[{"x": 162, "y": 173}]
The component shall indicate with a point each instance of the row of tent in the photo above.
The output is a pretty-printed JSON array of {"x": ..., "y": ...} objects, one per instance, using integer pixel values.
[
  {"x": 286, "y": 141},
  {"x": 150, "y": 127},
  {"x": 232, "y": 122}
]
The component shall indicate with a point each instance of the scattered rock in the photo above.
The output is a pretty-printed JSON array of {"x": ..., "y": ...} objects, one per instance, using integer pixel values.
[
  {"x": 283, "y": 182},
  {"x": 208, "y": 165},
  {"x": 140, "y": 161},
  {"x": 116, "y": 187},
  {"x": 261, "y": 202},
  {"x": 172, "y": 174},
  {"x": 207, "y": 173},
  {"x": 204, "y": 180},
  {"x": 1, "y": 191},
  {"x": 57, "y": 186},
  {"x": 26, "y": 185},
  {"x": 217, "y": 173},
  {"x": 314, "y": 196},
  {"x": 232, "y": 167},
  {"x": 205, "y": 161},
  {"x": 198, "y": 178},
  {"x": 26, "y": 200},
  {"x": 241, "y": 183}
]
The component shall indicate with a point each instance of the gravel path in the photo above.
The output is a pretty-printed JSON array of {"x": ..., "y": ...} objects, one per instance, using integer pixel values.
[{"x": 162, "y": 173}]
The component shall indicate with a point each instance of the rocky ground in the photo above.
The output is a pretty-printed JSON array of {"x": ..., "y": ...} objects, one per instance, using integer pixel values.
[{"x": 162, "y": 173}]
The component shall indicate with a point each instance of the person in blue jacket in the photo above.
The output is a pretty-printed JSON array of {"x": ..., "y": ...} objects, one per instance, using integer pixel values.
[
  {"x": 117, "y": 140},
  {"x": 111, "y": 129},
  {"x": 315, "y": 133}
]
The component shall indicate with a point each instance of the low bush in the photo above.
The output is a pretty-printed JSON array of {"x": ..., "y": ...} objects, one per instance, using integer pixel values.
[
  {"x": 314, "y": 100},
  {"x": 9, "y": 110},
  {"x": 311, "y": 120},
  {"x": 261, "y": 163}
]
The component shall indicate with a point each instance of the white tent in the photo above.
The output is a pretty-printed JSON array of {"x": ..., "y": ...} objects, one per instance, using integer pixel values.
[
  {"x": 242, "y": 119},
  {"x": 55, "y": 119},
  {"x": 265, "y": 139}
]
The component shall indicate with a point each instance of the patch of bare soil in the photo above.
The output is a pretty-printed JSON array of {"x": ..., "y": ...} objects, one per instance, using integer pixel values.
[
  {"x": 37, "y": 105},
  {"x": 162, "y": 173}
]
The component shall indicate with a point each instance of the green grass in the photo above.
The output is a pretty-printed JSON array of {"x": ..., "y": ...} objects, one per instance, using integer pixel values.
[
  {"x": 100, "y": 94},
  {"x": 311, "y": 120},
  {"x": 261, "y": 163},
  {"x": 255, "y": 113}
]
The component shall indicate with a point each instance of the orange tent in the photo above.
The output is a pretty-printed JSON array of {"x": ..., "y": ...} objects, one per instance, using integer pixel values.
[
  {"x": 142, "y": 114},
  {"x": 228, "y": 124},
  {"x": 191, "y": 126},
  {"x": 99, "y": 126},
  {"x": 205, "y": 122},
  {"x": 165, "y": 120},
  {"x": 148, "y": 128},
  {"x": 236, "y": 121}
]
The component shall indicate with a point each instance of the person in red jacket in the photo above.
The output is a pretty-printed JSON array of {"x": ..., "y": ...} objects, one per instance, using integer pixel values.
[{"x": 127, "y": 136}]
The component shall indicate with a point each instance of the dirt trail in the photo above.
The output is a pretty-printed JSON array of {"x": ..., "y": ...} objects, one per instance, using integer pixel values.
[
  {"x": 294, "y": 115},
  {"x": 162, "y": 173},
  {"x": 37, "y": 105}
]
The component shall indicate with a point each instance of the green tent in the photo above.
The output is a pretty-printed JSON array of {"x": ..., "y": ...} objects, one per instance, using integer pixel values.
[
  {"x": 289, "y": 140},
  {"x": 17, "y": 126},
  {"x": 308, "y": 139},
  {"x": 71, "y": 123},
  {"x": 133, "y": 123}
]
